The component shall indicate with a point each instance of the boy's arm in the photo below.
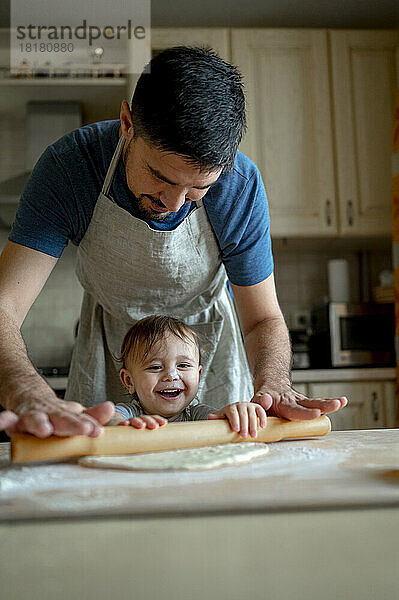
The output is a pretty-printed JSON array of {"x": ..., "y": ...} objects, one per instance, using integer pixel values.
[
  {"x": 116, "y": 419},
  {"x": 132, "y": 413},
  {"x": 128, "y": 410},
  {"x": 200, "y": 412}
]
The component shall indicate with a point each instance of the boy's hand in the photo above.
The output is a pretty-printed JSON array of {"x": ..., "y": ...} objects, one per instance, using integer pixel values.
[
  {"x": 116, "y": 419},
  {"x": 145, "y": 421},
  {"x": 243, "y": 417}
]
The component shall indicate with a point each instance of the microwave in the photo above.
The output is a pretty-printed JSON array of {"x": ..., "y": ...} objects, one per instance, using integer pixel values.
[{"x": 352, "y": 335}]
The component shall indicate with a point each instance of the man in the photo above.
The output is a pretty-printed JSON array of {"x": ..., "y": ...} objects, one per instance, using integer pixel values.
[{"x": 161, "y": 206}]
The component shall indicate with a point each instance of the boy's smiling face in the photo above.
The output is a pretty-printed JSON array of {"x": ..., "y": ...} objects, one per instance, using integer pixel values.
[{"x": 167, "y": 379}]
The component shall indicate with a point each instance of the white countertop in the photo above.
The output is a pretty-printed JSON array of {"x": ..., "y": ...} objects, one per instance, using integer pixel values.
[
  {"x": 319, "y": 375},
  {"x": 343, "y": 469},
  {"x": 57, "y": 383},
  {"x": 276, "y": 546}
]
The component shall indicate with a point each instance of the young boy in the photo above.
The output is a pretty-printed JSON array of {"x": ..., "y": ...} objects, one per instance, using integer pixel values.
[{"x": 161, "y": 369}]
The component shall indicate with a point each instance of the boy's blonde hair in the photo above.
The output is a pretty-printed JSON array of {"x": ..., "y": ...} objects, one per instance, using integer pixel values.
[{"x": 144, "y": 334}]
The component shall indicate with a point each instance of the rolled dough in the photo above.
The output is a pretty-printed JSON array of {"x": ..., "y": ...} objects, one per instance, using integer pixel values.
[{"x": 188, "y": 459}]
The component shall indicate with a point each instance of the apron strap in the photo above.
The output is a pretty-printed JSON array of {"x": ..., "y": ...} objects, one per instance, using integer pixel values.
[{"x": 112, "y": 166}]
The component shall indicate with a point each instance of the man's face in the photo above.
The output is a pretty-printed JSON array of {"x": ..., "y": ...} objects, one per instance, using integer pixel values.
[{"x": 161, "y": 182}]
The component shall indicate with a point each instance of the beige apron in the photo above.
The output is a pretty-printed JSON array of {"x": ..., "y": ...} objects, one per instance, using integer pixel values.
[{"x": 129, "y": 271}]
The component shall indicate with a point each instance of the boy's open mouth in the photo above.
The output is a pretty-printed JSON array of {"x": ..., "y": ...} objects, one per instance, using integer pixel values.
[{"x": 169, "y": 394}]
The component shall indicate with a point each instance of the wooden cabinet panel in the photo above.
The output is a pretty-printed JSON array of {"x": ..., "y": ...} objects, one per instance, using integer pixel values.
[
  {"x": 390, "y": 404},
  {"x": 352, "y": 416},
  {"x": 162, "y": 38},
  {"x": 364, "y": 87},
  {"x": 302, "y": 388},
  {"x": 367, "y": 403},
  {"x": 290, "y": 137},
  {"x": 289, "y": 128},
  {"x": 375, "y": 405}
]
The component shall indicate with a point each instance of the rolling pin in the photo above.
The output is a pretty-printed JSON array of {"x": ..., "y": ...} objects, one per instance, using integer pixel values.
[{"x": 127, "y": 440}]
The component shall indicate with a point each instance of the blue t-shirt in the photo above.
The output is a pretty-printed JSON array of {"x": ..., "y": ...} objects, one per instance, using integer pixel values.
[{"x": 59, "y": 199}]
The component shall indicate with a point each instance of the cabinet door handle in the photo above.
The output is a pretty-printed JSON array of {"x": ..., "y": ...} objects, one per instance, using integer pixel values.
[
  {"x": 349, "y": 212},
  {"x": 375, "y": 406},
  {"x": 328, "y": 213}
]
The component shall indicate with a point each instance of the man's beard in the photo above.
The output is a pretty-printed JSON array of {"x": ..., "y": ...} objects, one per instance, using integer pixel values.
[
  {"x": 148, "y": 213},
  {"x": 144, "y": 212}
]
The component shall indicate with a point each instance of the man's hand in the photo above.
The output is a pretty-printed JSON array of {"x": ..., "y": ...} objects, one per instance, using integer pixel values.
[
  {"x": 291, "y": 405},
  {"x": 242, "y": 417},
  {"x": 7, "y": 420},
  {"x": 53, "y": 416}
]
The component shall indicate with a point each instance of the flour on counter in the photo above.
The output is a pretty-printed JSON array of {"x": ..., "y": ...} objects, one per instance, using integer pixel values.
[
  {"x": 187, "y": 459},
  {"x": 30, "y": 477},
  {"x": 340, "y": 470},
  {"x": 67, "y": 484}
]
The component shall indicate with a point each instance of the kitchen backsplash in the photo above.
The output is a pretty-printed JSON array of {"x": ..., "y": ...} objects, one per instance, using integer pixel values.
[
  {"x": 301, "y": 269},
  {"x": 300, "y": 273},
  {"x": 12, "y": 147}
]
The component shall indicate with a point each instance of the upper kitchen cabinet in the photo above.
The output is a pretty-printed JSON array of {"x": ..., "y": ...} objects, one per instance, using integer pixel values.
[
  {"x": 162, "y": 38},
  {"x": 216, "y": 38},
  {"x": 290, "y": 131},
  {"x": 289, "y": 125},
  {"x": 364, "y": 84}
]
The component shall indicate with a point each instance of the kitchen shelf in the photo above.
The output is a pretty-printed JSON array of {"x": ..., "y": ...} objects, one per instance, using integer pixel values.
[{"x": 83, "y": 81}]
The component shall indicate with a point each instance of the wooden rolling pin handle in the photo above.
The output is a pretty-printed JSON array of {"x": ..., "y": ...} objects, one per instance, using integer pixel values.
[{"x": 127, "y": 440}]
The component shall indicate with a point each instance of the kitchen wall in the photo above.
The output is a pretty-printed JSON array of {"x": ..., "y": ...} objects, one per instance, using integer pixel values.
[
  {"x": 48, "y": 329},
  {"x": 300, "y": 270},
  {"x": 12, "y": 135}
]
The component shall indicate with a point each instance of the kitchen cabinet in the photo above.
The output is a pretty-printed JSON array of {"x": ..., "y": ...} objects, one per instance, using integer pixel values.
[
  {"x": 289, "y": 125},
  {"x": 371, "y": 403},
  {"x": 390, "y": 404},
  {"x": 302, "y": 388},
  {"x": 216, "y": 38},
  {"x": 295, "y": 130},
  {"x": 162, "y": 38},
  {"x": 364, "y": 87}
]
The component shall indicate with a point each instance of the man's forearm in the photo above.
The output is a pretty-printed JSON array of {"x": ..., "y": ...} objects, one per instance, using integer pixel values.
[
  {"x": 269, "y": 354},
  {"x": 18, "y": 377}
]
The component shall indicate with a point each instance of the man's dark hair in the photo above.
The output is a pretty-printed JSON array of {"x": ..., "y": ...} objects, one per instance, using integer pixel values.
[{"x": 190, "y": 102}]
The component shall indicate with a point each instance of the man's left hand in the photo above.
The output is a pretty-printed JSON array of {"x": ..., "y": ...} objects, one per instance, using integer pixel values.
[
  {"x": 99, "y": 416},
  {"x": 293, "y": 406}
]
